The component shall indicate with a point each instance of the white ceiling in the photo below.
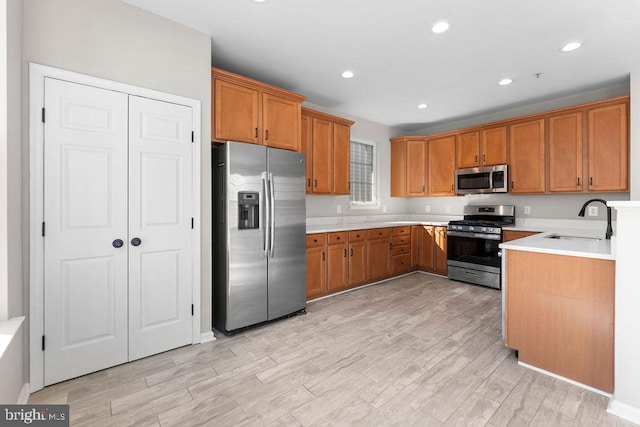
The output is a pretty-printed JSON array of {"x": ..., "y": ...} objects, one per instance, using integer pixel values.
[{"x": 304, "y": 45}]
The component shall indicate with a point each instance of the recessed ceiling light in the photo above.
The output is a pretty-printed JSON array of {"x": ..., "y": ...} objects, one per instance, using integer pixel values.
[
  {"x": 258, "y": 1},
  {"x": 571, "y": 46},
  {"x": 440, "y": 27},
  {"x": 422, "y": 106},
  {"x": 505, "y": 82},
  {"x": 347, "y": 74}
]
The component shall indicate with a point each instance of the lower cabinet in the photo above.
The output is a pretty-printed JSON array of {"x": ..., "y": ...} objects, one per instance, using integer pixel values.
[
  {"x": 337, "y": 262},
  {"x": 432, "y": 248},
  {"x": 357, "y": 258},
  {"x": 316, "y": 265},
  {"x": 379, "y": 253},
  {"x": 401, "y": 251}
]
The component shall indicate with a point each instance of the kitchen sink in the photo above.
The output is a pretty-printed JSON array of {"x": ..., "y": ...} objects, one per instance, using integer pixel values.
[{"x": 565, "y": 237}]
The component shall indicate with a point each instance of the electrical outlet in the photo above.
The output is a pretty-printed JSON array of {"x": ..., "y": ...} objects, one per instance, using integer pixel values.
[
  {"x": 427, "y": 208},
  {"x": 447, "y": 209},
  {"x": 527, "y": 210},
  {"x": 593, "y": 211},
  {"x": 384, "y": 209},
  {"x": 339, "y": 208}
]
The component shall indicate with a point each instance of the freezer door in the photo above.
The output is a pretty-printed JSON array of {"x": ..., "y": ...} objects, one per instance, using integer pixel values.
[
  {"x": 247, "y": 264},
  {"x": 287, "y": 259}
]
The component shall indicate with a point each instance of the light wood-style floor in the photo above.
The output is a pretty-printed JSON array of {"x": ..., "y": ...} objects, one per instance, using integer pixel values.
[{"x": 417, "y": 350}]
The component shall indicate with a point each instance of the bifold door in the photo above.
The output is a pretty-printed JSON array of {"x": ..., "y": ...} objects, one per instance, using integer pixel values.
[{"x": 117, "y": 245}]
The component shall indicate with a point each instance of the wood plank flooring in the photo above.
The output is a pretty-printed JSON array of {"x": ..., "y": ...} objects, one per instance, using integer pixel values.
[{"x": 417, "y": 350}]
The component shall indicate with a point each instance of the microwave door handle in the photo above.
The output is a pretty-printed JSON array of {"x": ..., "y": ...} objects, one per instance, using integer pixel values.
[{"x": 491, "y": 181}]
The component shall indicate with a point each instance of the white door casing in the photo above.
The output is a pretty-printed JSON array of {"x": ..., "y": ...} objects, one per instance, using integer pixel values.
[
  {"x": 87, "y": 116},
  {"x": 85, "y": 205},
  {"x": 160, "y": 216}
]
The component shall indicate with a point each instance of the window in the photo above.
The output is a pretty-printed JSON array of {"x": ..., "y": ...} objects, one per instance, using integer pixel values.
[{"x": 362, "y": 181}]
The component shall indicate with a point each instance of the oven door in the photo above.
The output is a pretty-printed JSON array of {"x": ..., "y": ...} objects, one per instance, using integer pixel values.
[{"x": 474, "y": 257}]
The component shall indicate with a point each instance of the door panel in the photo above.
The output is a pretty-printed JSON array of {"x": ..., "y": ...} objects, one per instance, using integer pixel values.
[
  {"x": 85, "y": 210},
  {"x": 287, "y": 265},
  {"x": 160, "y": 216}
]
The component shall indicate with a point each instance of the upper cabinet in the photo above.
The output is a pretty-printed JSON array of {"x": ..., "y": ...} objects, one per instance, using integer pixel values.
[
  {"x": 565, "y": 153},
  {"x": 326, "y": 143},
  {"x": 482, "y": 148},
  {"x": 246, "y": 110},
  {"x": 408, "y": 167},
  {"x": 441, "y": 165},
  {"x": 527, "y": 163},
  {"x": 608, "y": 148}
]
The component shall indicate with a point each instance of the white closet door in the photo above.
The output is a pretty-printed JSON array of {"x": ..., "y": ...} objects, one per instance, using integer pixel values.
[
  {"x": 85, "y": 210},
  {"x": 160, "y": 182}
]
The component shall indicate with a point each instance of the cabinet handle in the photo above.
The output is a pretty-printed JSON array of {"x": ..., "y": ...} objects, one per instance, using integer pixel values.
[
  {"x": 308, "y": 182},
  {"x": 338, "y": 238},
  {"x": 267, "y": 134},
  {"x": 590, "y": 180},
  {"x": 484, "y": 157},
  {"x": 513, "y": 185},
  {"x": 476, "y": 159},
  {"x": 423, "y": 188},
  {"x": 345, "y": 253},
  {"x": 256, "y": 132},
  {"x": 315, "y": 183},
  {"x": 323, "y": 256},
  {"x": 351, "y": 251},
  {"x": 389, "y": 246},
  {"x": 452, "y": 187},
  {"x": 578, "y": 181}
]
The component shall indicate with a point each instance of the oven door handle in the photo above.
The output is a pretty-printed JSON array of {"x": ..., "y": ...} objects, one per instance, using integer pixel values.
[{"x": 474, "y": 235}]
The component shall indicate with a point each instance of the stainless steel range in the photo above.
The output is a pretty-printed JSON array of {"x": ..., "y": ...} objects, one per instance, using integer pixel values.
[{"x": 473, "y": 254}]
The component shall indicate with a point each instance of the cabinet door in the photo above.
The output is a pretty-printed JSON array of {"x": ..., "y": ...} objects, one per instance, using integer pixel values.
[
  {"x": 442, "y": 165},
  {"x": 415, "y": 245},
  {"x": 440, "y": 249},
  {"x": 341, "y": 156},
  {"x": 468, "y": 150},
  {"x": 494, "y": 146},
  {"x": 416, "y": 162},
  {"x": 379, "y": 258},
  {"x": 527, "y": 157},
  {"x": 316, "y": 272},
  {"x": 608, "y": 148},
  {"x": 281, "y": 122},
  {"x": 236, "y": 113},
  {"x": 565, "y": 153},
  {"x": 306, "y": 134},
  {"x": 357, "y": 263},
  {"x": 337, "y": 267},
  {"x": 426, "y": 248},
  {"x": 322, "y": 158},
  {"x": 399, "y": 169}
]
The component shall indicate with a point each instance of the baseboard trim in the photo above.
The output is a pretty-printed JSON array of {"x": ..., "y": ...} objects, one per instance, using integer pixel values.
[
  {"x": 23, "y": 397},
  {"x": 622, "y": 410},
  {"x": 207, "y": 337},
  {"x": 565, "y": 379}
]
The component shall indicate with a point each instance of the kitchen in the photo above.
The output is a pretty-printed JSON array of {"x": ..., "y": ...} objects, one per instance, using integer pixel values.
[{"x": 146, "y": 69}]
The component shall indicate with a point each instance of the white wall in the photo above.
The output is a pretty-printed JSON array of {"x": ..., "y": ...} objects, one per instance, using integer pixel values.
[
  {"x": 634, "y": 121},
  {"x": 4, "y": 283},
  {"x": 318, "y": 205},
  {"x": 113, "y": 40}
]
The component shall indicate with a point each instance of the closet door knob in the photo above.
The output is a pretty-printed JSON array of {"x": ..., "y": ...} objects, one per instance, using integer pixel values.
[
  {"x": 118, "y": 243},
  {"x": 136, "y": 241}
]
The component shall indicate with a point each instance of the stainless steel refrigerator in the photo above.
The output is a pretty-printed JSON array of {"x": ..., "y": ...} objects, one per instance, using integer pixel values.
[{"x": 259, "y": 235}]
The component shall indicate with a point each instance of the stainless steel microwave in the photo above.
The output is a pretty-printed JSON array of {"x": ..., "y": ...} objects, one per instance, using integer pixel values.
[{"x": 486, "y": 179}]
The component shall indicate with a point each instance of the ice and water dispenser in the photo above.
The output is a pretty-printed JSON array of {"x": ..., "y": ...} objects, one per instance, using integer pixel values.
[{"x": 248, "y": 210}]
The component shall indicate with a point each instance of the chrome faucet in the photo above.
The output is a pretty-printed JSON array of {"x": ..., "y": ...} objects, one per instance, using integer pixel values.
[{"x": 609, "y": 232}]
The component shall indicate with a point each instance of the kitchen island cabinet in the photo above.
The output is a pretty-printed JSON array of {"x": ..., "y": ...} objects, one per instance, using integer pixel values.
[{"x": 559, "y": 309}]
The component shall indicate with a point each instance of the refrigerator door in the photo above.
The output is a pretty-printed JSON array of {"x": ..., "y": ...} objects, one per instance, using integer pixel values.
[
  {"x": 287, "y": 259},
  {"x": 246, "y": 291}
]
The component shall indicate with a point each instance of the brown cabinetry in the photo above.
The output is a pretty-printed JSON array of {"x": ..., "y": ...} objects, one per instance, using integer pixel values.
[
  {"x": 509, "y": 235},
  {"x": 250, "y": 111},
  {"x": 565, "y": 153},
  {"x": 486, "y": 148},
  {"x": 379, "y": 253},
  {"x": 326, "y": 144},
  {"x": 357, "y": 258},
  {"x": 468, "y": 150},
  {"x": 608, "y": 143},
  {"x": 432, "y": 249},
  {"x": 316, "y": 266},
  {"x": 401, "y": 251},
  {"x": 337, "y": 262},
  {"x": 527, "y": 162},
  {"x": 408, "y": 167},
  {"x": 441, "y": 165}
]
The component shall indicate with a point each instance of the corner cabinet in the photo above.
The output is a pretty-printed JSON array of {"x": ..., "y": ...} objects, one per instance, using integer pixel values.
[
  {"x": 608, "y": 141},
  {"x": 326, "y": 143},
  {"x": 408, "y": 167},
  {"x": 247, "y": 110}
]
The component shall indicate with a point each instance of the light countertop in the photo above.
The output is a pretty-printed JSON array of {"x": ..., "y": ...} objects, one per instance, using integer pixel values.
[
  {"x": 329, "y": 228},
  {"x": 586, "y": 248}
]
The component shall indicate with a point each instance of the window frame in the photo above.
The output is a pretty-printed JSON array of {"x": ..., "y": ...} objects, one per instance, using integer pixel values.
[{"x": 375, "y": 203}]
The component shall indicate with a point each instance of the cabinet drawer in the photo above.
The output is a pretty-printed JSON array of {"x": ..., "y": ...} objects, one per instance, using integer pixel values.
[
  {"x": 402, "y": 231},
  {"x": 401, "y": 264},
  {"x": 400, "y": 250},
  {"x": 378, "y": 233},
  {"x": 401, "y": 240},
  {"x": 356, "y": 236},
  {"x": 314, "y": 240},
  {"x": 339, "y": 237}
]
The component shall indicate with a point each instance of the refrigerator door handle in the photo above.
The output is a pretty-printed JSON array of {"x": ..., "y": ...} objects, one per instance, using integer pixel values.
[
  {"x": 272, "y": 206},
  {"x": 267, "y": 212}
]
